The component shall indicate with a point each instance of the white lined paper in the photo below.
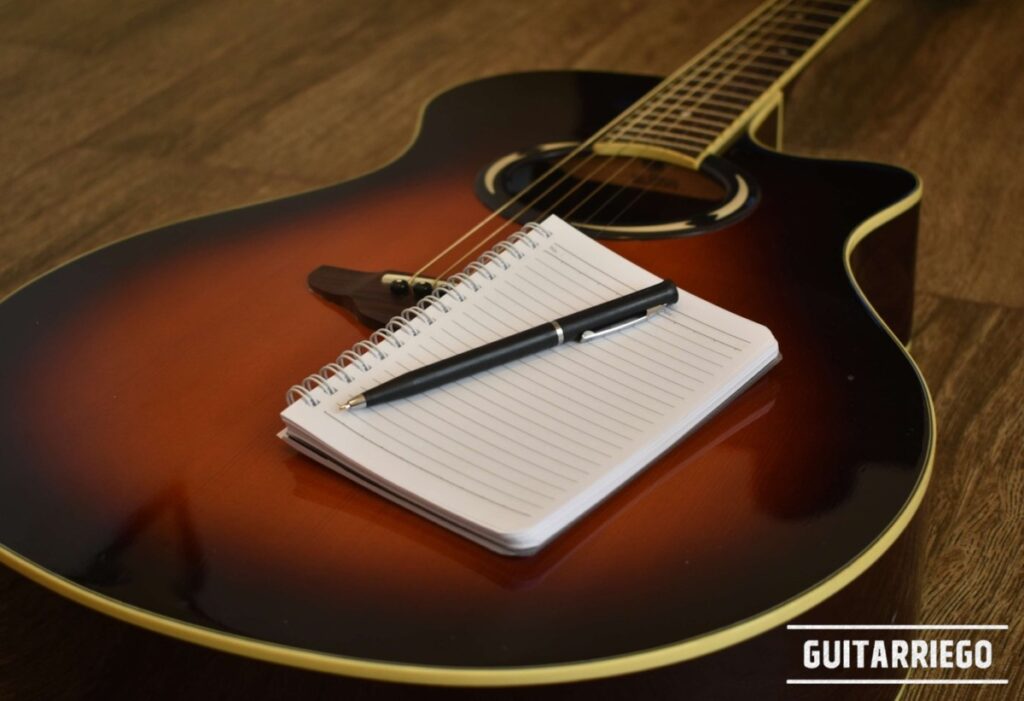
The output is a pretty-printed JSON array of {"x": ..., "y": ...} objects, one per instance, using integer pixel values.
[{"x": 516, "y": 453}]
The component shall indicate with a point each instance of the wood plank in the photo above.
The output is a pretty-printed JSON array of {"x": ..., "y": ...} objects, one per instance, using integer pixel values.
[
  {"x": 53, "y": 99},
  {"x": 972, "y": 574},
  {"x": 100, "y": 197},
  {"x": 929, "y": 87},
  {"x": 367, "y": 79}
]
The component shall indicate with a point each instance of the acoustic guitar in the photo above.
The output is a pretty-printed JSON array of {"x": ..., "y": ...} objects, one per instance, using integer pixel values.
[{"x": 140, "y": 473}]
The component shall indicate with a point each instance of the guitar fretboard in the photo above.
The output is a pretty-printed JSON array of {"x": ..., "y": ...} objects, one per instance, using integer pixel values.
[{"x": 702, "y": 106}]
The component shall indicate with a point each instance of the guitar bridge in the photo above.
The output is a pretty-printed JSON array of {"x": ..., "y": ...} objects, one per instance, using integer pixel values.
[{"x": 373, "y": 297}]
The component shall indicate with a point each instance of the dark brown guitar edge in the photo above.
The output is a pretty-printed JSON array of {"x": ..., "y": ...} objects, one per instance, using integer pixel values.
[{"x": 881, "y": 252}]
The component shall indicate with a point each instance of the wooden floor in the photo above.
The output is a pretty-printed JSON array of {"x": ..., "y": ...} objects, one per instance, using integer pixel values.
[{"x": 119, "y": 116}]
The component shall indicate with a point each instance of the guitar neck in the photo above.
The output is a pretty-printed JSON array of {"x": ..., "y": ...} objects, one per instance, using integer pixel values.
[{"x": 702, "y": 106}]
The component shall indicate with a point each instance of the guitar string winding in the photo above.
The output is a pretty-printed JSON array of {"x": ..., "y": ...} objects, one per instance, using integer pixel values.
[{"x": 373, "y": 348}]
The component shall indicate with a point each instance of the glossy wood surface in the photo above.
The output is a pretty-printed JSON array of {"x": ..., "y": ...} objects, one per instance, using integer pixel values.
[{"x": 150, "y": 374}]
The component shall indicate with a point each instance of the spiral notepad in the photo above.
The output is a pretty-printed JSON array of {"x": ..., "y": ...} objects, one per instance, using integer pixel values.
[{"x": 512, "y": 456}]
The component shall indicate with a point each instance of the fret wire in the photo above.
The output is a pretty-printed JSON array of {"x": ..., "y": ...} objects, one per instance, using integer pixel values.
[
  {"x": 812, "y": 24},
  {"x": 632, "y": 134},
  {"x": 666, "y": 141},
  {"x": 752, "y": 32},
  {"x": 730, "y": 66},
  {"x": 759, "y": 33},
  {"x": 748, "y": 61},
  {"x": 789, "y": 60},
  {"x": 724, "y": 118},
  {"x": 682, "y": 144},
  {"x": 673, "y": 131},
  {"x": 792, "y": 34},
  {"x": 748, "y": 30},
  {"x": 778, "y": 39},
  {"x": 779, "y": 46},
  {"x": 768, "y": 57},
  {"x": 730, "y": 113},
  {"x": 717, "y": 97},
  {"x": 724, "y": 51},
  {"x": 726, "y": 67},
  {"x": 769, "y": 52},
  {"x": 758, "y": 70},
  {"x": 717, "y": 123},
  {"x": 768, "y": 67},
  {"x": 670, "y": 134},
  {"x": 695, "y": 127},
  {"x": 831, "y": 16},
  {"x": 773, "y": 31},
  {"x": 779, "y": 22},
  {"x": 824, "y": 18},
  {"x": 818, "y": 4},
  {"x": 801, "y": 27},
  {"x": 667, "y": 87},
  {"x": 652, "y": 140},
  {"x": 686, "y": 149},
  {"x": 759, "y": 83},
  {"x": 789, "y": 40},
  {"x": 710, "y": 100},
  {"x": 779, "y": 43},
  {"x": 738, "y": 91}
]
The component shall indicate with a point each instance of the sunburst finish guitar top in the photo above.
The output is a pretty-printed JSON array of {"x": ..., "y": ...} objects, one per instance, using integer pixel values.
[{"x": 141, "y": 385}]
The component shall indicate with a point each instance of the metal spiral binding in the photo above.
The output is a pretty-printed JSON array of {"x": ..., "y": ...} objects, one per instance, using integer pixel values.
[{"x": 373, "y": 348}]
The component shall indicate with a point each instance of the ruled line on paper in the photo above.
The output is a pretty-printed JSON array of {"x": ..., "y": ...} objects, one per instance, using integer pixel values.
[
  {"x": 535, "y": 434},
  {"x": 419, "y": 467}
]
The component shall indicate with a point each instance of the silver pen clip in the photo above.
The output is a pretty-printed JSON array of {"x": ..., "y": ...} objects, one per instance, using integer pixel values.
[{"x": 591, "y": 335}]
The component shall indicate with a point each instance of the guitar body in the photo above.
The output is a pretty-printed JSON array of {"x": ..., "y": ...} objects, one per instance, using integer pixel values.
[{"x": 141, "y": 384}]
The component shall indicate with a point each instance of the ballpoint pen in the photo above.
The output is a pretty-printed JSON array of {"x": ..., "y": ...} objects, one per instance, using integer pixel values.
[{"x": 581, "y": 326}]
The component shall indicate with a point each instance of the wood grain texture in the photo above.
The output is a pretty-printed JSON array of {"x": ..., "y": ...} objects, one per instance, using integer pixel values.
[
  {"x": 122, "y": 116},
  {"x": 971, "y": 355}
]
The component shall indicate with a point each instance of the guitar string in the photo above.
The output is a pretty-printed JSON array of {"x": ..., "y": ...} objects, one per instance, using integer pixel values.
[
  {"x": 803, "y": 11},
  {"x": 794, "y": 20},
  {"x": 767, "y": 24},
  {"x": 648, "y": 164},
  {"x": 667, "y": 114},
  {"x": 640, "y": 106},
  {"x": 654, "y": 105},
  {"x": 763, "y": 21}
]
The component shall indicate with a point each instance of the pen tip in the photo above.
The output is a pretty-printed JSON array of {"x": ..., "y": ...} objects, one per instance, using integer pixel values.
[{"x": 352, "y": 403}]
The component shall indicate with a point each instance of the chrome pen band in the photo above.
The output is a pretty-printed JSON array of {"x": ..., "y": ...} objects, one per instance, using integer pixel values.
[{"x": 558, "y": 330}]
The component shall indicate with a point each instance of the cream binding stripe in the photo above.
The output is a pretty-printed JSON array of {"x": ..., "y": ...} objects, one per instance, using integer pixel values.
[{"x": 546, "y": 674}]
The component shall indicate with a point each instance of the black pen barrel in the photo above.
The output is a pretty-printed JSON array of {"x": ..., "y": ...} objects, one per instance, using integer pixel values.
[
  {"x": 634, "y": 304},
  {"x": 491, "y": 355},
  {"x": 505, "y": 350}
]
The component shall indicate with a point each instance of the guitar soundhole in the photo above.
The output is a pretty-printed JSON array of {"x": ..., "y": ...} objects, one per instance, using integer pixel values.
[{"x": 617, "y": 196}]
